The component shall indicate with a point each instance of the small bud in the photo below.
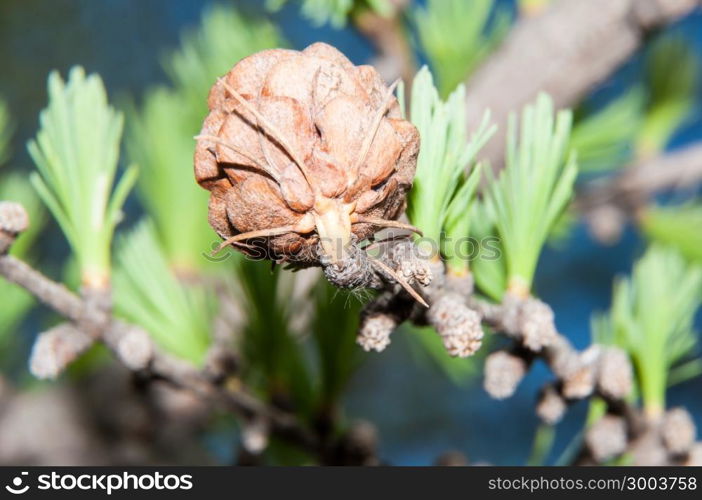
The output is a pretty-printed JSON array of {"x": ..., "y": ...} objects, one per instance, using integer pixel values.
[
  {"x": 55, "y": 349},
  {"x": 530, "y": 320},
  {"x": 13, "y": 218},
  {"x": 678, "y": 431},
  {"x": 579, "y": 381},
  {"x": 648, "y": 450},
  {"x": 254, "y": 436},
  {"x": 457, "y": 324},
  {"x": 551, "y": 406},
  {"x": 615, "y": 375},
  {"x": 503, "y": 373},
  {"x": 135, "y": 349},
  {"x": 408, "y": 263},
  {"x": 606, "y": 438},
  {"x": 580, "y": 385},
  {"x": 537, "y": 324},
  {"x": 374, "y": 334},
  {"x": 415, "y": 271},
  {"x": 511, "y": 307},
  {"x": 606, "y": 223},
  {"x": 561, "y": 357},
  {"x": 694, "y": 456},
  {"x": 354, "y": 271}
]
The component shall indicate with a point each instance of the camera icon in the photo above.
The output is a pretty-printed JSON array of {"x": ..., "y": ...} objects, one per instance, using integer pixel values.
[{"x": 16, "y": 487}]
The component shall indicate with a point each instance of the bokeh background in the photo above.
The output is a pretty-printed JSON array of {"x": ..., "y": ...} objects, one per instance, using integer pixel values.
[{"x": 418, "y": 410}]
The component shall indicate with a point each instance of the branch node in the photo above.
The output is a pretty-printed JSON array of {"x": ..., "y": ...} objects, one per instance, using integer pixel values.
[{"x": 13, "y": 221}]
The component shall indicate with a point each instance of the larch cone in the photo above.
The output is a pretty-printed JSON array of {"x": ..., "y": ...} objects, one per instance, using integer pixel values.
[{"x": 303, "y": 153}]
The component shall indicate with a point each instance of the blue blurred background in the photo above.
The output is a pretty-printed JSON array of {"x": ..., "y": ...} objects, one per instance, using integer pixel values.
[{"x": 418, "y": 411}]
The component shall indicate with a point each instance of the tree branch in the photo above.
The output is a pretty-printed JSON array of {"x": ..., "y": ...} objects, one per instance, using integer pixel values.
[
  {"x": 395, "y": 56},
  {"x": 48, "y": 292},
  {"x": 566, "y": 51},
  {"x": 134, "y": 347},
  {"x": 606, "y": 205},
  {"x": 636, "y": 184}
]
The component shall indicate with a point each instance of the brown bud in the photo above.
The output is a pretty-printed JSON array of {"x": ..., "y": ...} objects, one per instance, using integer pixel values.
[
  {"x": 694, "y": 456},
  {"x": 13, "y": 221},
  {"x": 457, "y": 324},
  {"x": 255, "y": 436},
  {"x": 135, "y": 349},
  {"x": 537, "y": 324},
  {"x": 13, "y": 217},
  {"x": 374, "y": 334},
  {"x": 302, "y": 152},
  {"x": 354, "y": 271},
  {"x": 579, "y": 380},
  {"x": 561, "y": 357},
  {"x": 529, "y": 320},
  {"x": 409, "y": 264},
  {"x": 648, "y": 450},
  {"x": 503, "y": 373},
  {"x": 678, "y": 431},
  {"x": 615, "y": 375},
  {"x": 606, "y": 438},
  {"x": 606, "y": 222},
  {"x": 551, "y": 406}
]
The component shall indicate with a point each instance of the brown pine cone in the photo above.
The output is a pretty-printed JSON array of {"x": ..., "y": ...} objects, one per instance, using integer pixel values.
[{"x": 303, "y": 153}]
